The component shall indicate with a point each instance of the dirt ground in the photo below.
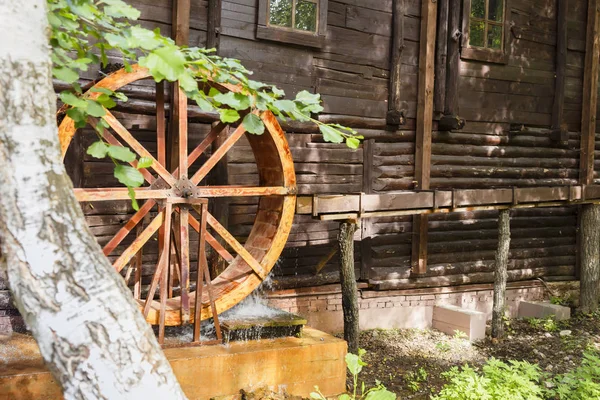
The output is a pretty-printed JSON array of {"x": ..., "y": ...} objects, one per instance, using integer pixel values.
[{"x": 409, "y": 362}]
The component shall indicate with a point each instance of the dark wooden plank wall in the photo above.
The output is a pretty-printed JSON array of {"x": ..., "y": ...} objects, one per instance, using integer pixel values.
[{"x": 351, "y": 72}]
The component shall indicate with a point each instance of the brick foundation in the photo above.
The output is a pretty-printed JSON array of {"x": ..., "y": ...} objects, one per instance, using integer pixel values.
[{"x": 322, "y": 306}]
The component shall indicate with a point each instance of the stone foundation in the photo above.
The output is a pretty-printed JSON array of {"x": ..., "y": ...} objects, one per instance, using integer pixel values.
[{"x": 412, "y": 308}]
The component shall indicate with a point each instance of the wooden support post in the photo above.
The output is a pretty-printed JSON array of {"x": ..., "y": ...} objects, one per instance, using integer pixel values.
[
  {"x": 589, "y": 238},
  {"x": 395, "y": 115},
  {"x": 424, "y": 125},
  {"x": 74, "y": 161},
  {"x": 590, "y": 94},
  {"x": 441, "y": 54},
  {"x": 348, "y": 283},
  {"x": 561, "y": 68},
  {"x": 365, "y": 224},
  {"x": 213, "y": 31},
  {"x": 180, "y": 32},
  {"x": 452, "y": 70},
  {"x": 501, "y": 274}
]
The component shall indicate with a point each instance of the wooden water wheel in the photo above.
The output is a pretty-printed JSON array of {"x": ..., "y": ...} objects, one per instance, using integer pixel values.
[{"x": 178, "y": 202}]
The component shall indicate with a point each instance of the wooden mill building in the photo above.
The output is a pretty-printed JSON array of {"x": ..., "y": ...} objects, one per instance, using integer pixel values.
[{"x": 466, "y": 106}]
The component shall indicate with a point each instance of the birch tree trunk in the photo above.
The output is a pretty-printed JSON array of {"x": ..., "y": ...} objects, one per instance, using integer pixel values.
[{"x": 88, "y": 328}]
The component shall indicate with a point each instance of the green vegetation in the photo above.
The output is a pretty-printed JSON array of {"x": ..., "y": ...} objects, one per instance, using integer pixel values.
[
  {"x": 498, "y": 380},
  {"x": 548, "y": 324},
  {"x": 355, "y": 364},
  {"x": 85, "y": 32},
  {"x": 582, "y": 383},
  {"x": 415, "y": 379}
]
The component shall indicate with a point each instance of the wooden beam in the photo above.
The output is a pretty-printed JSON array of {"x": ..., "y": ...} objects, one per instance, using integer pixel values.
[
  {"x": 367, "y": 187},
  {"x": 441, "y": 55},
  {"x": 213, "y": 31},
  {"x": 590, "y": 94},
  {"x": 424, "y": 125},
  {"x": 453, "y": 58},
  {"x": 395, "y": 115},
  {"x": 180, "y": 32},
  {"x": 425, "y": 94},
  {"x": 561, "y": 67}
]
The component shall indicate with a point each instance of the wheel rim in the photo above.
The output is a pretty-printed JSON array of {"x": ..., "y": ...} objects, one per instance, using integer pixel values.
[{"x": 255, "y": 258}]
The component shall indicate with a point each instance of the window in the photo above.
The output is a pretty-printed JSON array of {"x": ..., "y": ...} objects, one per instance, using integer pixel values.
[
  {"x": 301, "y": 22},
  {"x": 485, "y": 30}
]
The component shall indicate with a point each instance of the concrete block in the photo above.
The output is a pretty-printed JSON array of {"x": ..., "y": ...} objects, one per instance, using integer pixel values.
[
  {"x": 541, "y": 309},
  {"x": 447, "y": 318}
]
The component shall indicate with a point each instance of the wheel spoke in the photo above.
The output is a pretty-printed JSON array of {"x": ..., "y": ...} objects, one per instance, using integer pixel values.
[
  {"x": 210, "y": 239},
  {"x": 240, "y": 191},
  {"x": 184, "y": 263},
  {"x": 138, "y": 243},
  {"x": 137, "y": 147},
  {"x": 236, "y": 246},
  {"x": 163, "y": 260},
  {"x": 217, "y": 155},
  {"x": 109, "y": 137},
  {"x": 124, "y": 231},
  {"x": 108, "y": 194},
  {"x": 201, "y": 148}
]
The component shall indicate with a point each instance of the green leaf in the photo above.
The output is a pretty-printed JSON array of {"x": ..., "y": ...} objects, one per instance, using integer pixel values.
[
  {"x": 165, "y": 63},
  {"x": 188, "y": 83},
  {"x": 95, "y": 109},
  {"x": 344, "y": 396},
  {"x": 120, "y": 96},
  {"x": 129, "y": 176},
  {"x": 98, "y": 149},
  {"x": 287, "y": 106},
  {"x": 78, "y": 116},
  {"x": 121, "y": 153},
  {"x": 380, "y": 394},
  {"x": 229, "y": 115},
  {"x": 117, "y": 40},
  {"x": 144, "y": 38},
  {"x": 204, "y": 104},
  {"x": 330, "y": 134},
  {"x": 106, "y": 101},
  {"x": 308, "y": 98},
  {"x": 134, "y": 202},
  {"x": 277, "y": 92},
  {"x": 119, "y": 9},
  {"x": 352, "y": 142},
  {"x": 236, "y": 101},
  {"x": 353, "y": 363},
  {"x": 253, "y": 124},
  {"x": 72, "y": 100},
  {"x": 101, "y": 90},
  {"x": 144, "y": 162},
  {"x": 316, "y": 396}
]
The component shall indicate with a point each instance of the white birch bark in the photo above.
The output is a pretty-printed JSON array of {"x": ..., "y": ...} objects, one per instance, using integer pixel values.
[{"x": 91, "y": 334}]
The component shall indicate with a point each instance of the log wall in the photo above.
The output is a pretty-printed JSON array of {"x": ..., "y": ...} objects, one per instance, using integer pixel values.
[{"x": 506, "y": 142}]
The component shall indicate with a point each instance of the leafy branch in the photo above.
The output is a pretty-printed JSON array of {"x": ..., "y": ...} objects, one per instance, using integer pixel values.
[{"x": 85, "y": 33}]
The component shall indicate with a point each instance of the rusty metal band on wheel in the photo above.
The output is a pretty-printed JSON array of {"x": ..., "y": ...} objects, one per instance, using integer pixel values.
[{"x": 273, "y": 220}]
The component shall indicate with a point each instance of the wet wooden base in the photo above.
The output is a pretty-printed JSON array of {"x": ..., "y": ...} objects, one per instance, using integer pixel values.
[
  {"x": 295, "y": 365},
  {"x": 283, "y": 324}
]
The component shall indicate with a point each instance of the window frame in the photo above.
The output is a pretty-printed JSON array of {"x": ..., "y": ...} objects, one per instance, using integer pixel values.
[
  {"x": 290, "y": 35},
  {"x": 485, "y": 54}
]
